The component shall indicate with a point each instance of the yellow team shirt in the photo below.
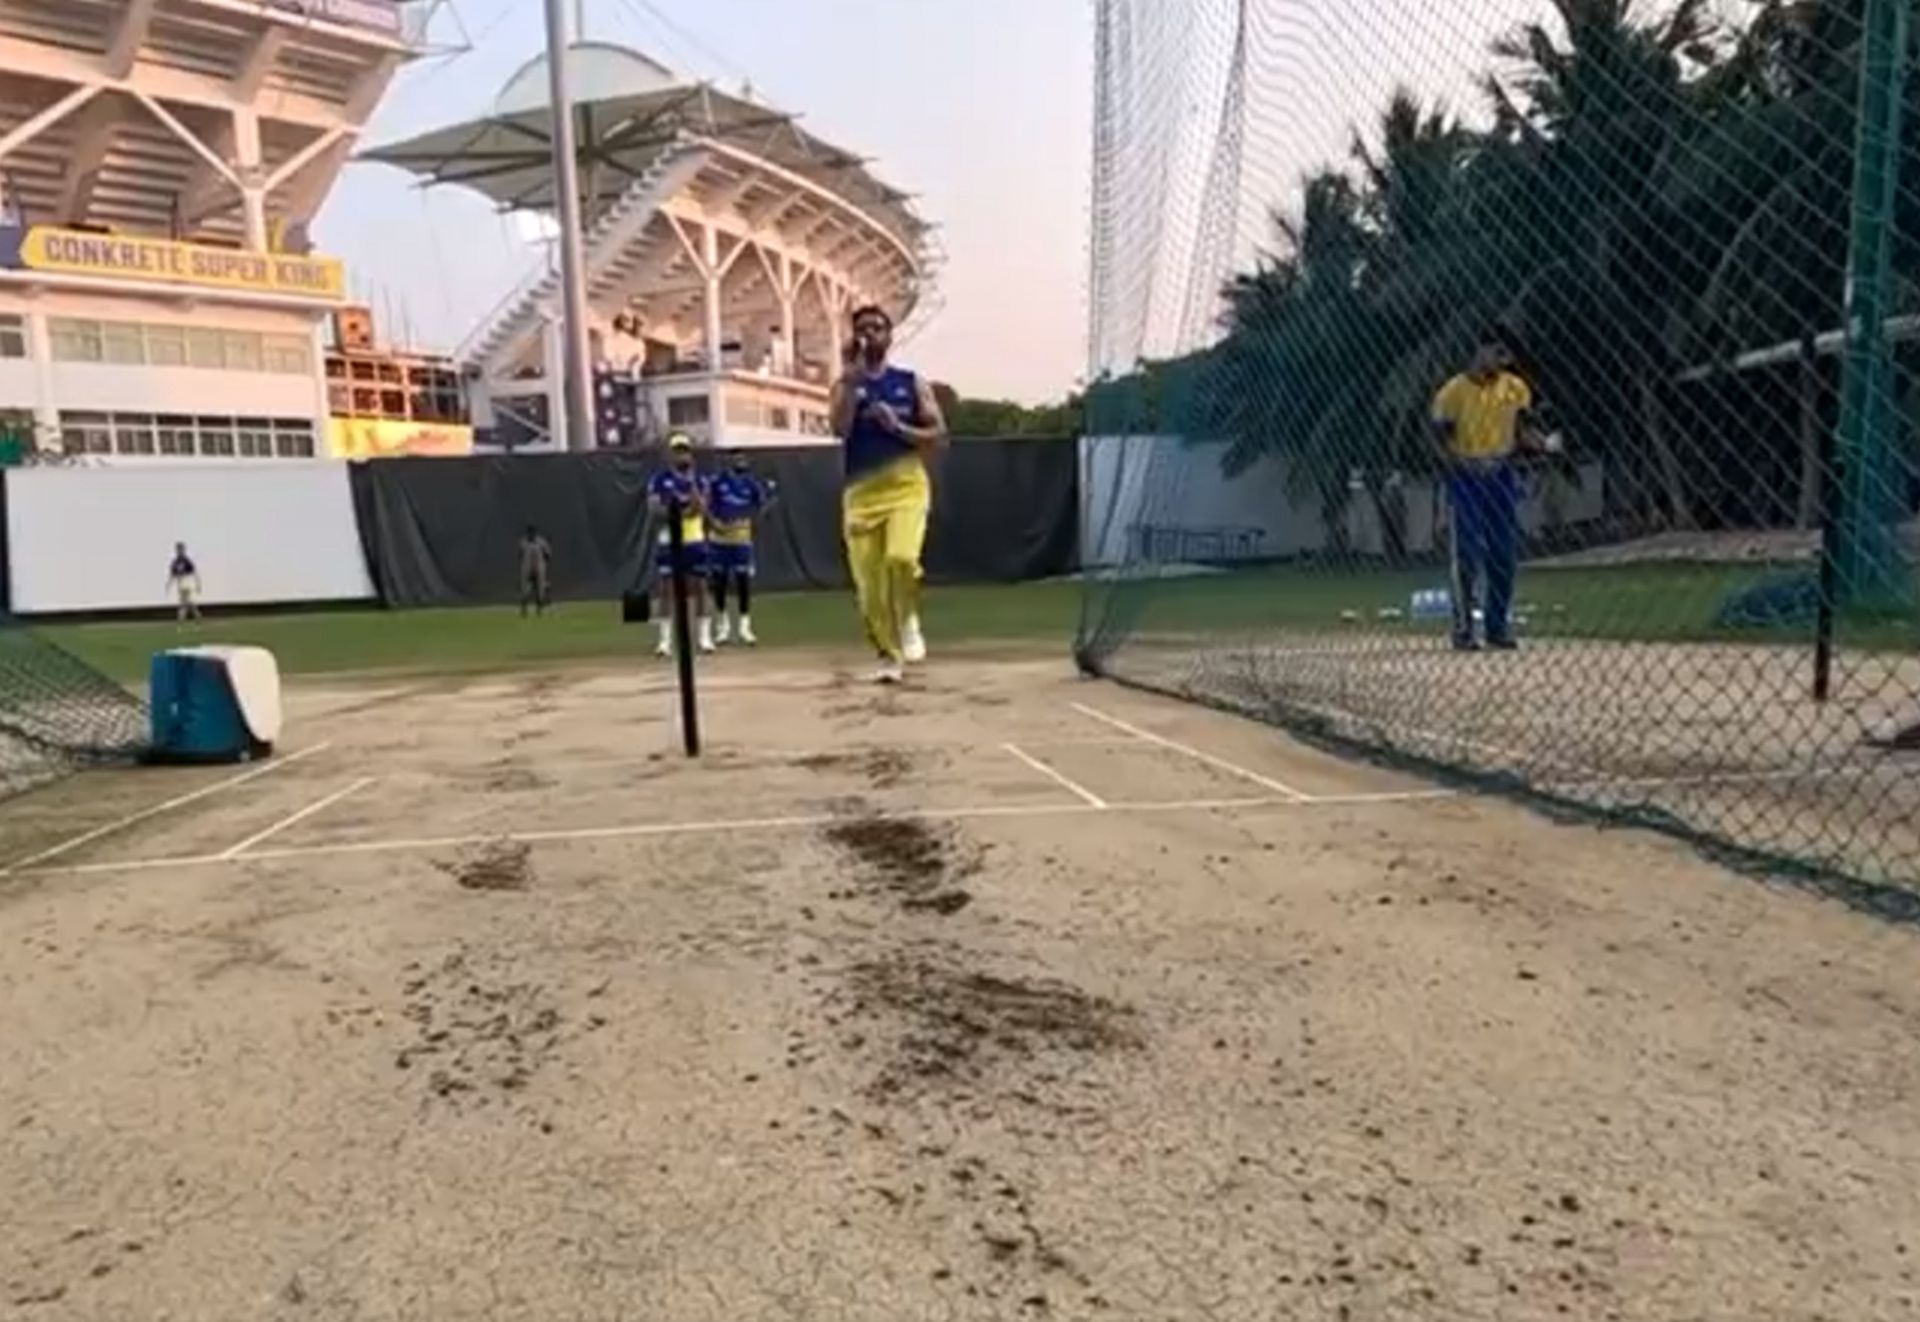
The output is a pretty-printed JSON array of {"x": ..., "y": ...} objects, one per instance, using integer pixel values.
[{"x": 1484, "y": 415}]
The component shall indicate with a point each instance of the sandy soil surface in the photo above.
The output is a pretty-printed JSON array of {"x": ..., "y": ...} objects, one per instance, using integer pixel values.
[{"x": 1010, "y": 995}]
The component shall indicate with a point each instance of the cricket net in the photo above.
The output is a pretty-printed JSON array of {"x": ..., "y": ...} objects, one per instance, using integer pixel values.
[
  {"x": 1694, "y": 226},
  {"x": 58, "y": 714}
]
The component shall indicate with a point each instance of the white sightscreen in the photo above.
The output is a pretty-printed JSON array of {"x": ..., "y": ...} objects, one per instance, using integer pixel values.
[{"x": 92, "y": 539}]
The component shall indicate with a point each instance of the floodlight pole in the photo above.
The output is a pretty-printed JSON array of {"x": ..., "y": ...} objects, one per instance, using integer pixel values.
[{"x": 576, "y": 352}]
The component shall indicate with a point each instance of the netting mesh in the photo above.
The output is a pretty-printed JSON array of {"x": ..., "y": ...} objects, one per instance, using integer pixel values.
[
  {"x": 1691, "y": 228},
  {"x": 58, "y": 714}
]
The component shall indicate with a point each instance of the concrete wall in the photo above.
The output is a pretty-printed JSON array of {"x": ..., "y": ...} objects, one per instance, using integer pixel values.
[
  {"x": 18, "y": 389},
  {"x": 100, "y": 538},
  {"x": 1159, "y": 498},
  {"x": 48, "y": 387},
  {"x": 107, "y": 388}
]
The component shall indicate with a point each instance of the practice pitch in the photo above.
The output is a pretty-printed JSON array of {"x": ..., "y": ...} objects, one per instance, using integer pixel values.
[{"x": 1005, "y": 995}]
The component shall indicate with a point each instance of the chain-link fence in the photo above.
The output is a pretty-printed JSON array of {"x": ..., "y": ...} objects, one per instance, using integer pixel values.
[
  {"x": 1527, "y": 389},
  {"x": 58, "y": 714}
]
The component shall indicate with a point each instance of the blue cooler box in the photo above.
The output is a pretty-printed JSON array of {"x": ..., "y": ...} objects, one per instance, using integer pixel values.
[{"x": 214, "y": 704}]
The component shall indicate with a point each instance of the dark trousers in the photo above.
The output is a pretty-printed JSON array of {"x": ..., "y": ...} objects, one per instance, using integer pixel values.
[
  {"x": 1486, "y": 546},
  {"x": 533, "y": 592}
]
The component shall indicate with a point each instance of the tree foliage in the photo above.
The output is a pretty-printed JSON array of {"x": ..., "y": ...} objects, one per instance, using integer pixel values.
[
  {"x": 1649, "y": 188},
  {"x": 1005, "y": 418}
]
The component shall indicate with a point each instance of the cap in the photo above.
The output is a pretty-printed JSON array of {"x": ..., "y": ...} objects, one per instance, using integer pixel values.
[{"x": 679, "y": 441}]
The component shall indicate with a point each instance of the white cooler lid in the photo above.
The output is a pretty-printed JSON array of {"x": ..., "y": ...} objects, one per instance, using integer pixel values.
[{"x": 255, "y": 676}]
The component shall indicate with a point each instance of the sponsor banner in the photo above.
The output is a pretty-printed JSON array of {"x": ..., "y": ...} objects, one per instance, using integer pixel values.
[
  {"x": 163, "y": 261},
  {"x": 389, "y": 438},
  {"x": 379, "y": 15}
]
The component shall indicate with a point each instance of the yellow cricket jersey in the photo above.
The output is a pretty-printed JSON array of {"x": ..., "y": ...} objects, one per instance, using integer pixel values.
[
  {"x": 881, "y": 491},
  {"x": 686, "y": 490},
  {"x": 1483, "y": 414}
]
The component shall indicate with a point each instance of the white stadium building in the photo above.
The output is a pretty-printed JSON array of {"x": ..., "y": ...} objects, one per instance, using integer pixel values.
[
  {"x": 723, "y": 246},
  {"x": 160, "y": 161}
]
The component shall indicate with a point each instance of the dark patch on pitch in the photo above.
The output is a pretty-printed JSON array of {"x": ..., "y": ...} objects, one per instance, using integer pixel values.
[
  {"x": 971, "y": 1027},
  {"x": 883, "y": 767},
  {"x": 908, "y": 860},
  {"x": 502, "y": 865}
]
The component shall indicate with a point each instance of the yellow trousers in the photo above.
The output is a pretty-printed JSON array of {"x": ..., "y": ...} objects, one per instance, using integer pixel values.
[{"x": 884, "y": 520}]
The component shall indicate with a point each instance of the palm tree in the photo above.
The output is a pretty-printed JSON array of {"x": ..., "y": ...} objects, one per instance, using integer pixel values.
[{"x": 1590, "y": 118}]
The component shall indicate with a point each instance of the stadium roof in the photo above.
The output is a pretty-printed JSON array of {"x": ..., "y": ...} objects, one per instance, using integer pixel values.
[{"x": 629, "y": 108}]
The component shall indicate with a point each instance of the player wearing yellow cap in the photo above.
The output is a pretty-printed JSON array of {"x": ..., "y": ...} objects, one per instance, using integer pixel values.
[{"x": 680, "y": 486}]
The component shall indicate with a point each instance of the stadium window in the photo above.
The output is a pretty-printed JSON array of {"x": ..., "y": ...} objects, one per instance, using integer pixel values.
[
  {"x": 205, "y": 348},
  {"x": 688, "y": 411},
  {"x": 74, "y": 341},
  {"x": 217, "y": 438},
  {"x": 293, "y": 440},
  {"x": 242, "y": 350},
  {"x": 166, "y": 346},
  {"x": 255, "y": 438},
  {"x": 13, "y": 335},
  {"x": 175, "y": 434},
  {"x": 133, "y": 433},
  {"x": 289, "y": 355},
  {"x": 436, "y": 396},
  {"x": 122, "y": 342},
  {"x": 780, "y": 419},
  {"x": 86, "y": 433}
]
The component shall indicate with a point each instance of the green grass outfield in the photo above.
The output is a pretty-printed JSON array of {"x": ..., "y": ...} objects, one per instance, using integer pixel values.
[{"x": 1642, "y": 602}]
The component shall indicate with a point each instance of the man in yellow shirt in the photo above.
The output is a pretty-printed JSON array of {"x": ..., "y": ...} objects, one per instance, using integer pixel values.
[{"x": 1481, "y": 419}]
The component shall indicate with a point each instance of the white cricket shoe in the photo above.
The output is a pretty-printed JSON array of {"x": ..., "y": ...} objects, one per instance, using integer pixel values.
[
  {"x": 722, "y": 632},
  {"x": 913, "y": 642},
  {"x": 664, "y": 651},
  {"x": 706, "y": 635},
  {"x": 746, "y": 632},
  {"x": 889, "y": 671}
]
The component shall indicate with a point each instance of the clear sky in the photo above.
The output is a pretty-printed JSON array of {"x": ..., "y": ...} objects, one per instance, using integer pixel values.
[{"x": 981, "y": 107}]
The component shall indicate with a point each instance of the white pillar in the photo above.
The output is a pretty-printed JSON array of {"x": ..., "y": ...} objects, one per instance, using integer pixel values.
[
  {"x": 710, "y": 268},
  {"x": 553, "y": 347},
  {"x": 789, "y": 343},
  {"x": 322, "y": 433},
  {"x": 46, "y": 410},
  {"x": 247, "y": 164}
]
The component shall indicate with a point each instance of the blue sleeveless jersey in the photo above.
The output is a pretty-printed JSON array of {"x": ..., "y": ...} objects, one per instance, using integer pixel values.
[{"x": 869, "y": 446}]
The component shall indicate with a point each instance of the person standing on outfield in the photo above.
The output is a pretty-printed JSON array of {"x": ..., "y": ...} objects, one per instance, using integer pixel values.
[
  {"x": 183, "y": 583},
  {"x": 889, "y": 422},
  {"x": 735, "y": 498},
  {"x": 1481, "y": 418},
  {"x": 680, "y": 486},
  {"x": 536, "y": 559}
]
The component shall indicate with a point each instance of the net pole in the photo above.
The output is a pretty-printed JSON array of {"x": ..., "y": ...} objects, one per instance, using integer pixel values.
[
  {"x": 683, "y": 631},
  {"x": 1830, "y": 481},
  {"x": 1869, "y": 565}
]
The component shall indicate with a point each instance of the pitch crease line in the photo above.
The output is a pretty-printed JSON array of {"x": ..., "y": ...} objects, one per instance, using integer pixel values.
[
  {"x": 649, "y": 830},
  {"x": 1059, "y": 778},
  {"x": 317, "y": 806},
  {"x": 1187, "y": 750},
  {"x": 178, "y": 801}
]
